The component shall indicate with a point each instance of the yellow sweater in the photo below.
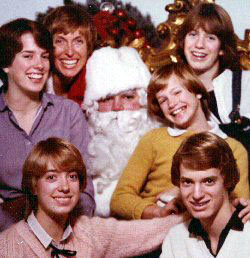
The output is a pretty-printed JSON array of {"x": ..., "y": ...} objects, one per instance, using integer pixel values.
[{"x": 148, "y": 173}]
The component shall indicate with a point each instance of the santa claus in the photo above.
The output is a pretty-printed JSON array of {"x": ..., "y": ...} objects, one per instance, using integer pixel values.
[{"x": 116, "y": 108}]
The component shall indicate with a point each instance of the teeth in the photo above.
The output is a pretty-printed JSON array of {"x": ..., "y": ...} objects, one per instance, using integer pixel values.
[
  {"x": 62, "y": 198},
  {"x": 177, "y": 111},
  {"x": 69, "y": 62},
  {"x": 199, "y": 54},
  {"x": 200, "y": 204},
  {"x": 35, "y": 76}
]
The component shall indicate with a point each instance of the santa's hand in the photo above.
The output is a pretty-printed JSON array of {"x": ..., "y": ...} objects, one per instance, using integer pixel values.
[
  {"x": 245, "y": 213},
  {"x": 168, "y": 195},
  {"x": 154, "y": 211}
]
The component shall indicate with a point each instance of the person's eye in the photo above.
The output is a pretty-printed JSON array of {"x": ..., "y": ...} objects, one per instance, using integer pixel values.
[
  {"x": 51, "y": 178},
  {"x": 177, "y": 92},
  {"x": 212, "y": 37},
  {"x": 28, "y": 56},
  {"x": 186, "y": 182},
  {"x": 45, "y": 56},
  {"x": 58, "y": 41},
  {"x": 80, "y": 41},
  {"x": 108, "y": 99},
  {"x": 209, "y": 181},
  {"x": 129, "y": 97},
  {"x": 192, "y": 33},
  {"x": 73, "y": 176}
]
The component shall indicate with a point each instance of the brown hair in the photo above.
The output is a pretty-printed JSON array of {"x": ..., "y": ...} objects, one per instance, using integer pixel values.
[
  {"x": 11, "y": 44},
  {"x": 69, "y": 18},
  {"x": 63, "y": 155},
  {"x": 188, "y": 80},
  {"x": 206, "y": 150},
  {"x": 213, "y": 19}
]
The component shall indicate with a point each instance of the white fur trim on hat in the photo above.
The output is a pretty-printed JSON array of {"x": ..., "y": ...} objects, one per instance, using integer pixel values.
[{"x": 110, "y": 71}]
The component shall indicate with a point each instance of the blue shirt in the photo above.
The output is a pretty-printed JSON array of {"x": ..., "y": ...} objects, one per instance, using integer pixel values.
[{"x": 58, "y": 117}]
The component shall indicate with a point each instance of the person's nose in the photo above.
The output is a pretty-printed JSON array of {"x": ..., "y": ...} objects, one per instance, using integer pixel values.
[
  {"x": 69, "y": 49},
  {"x": 198, "y": 192},
  {"x": 117, "y": 104},
  {"x": 172, "y": 102},
  {"x": 64, "y": 185},
  {"x": 39, "y": 63},
  {"x": 200, "y": 41}
]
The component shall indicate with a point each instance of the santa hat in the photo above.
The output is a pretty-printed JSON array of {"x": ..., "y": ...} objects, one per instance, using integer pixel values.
[{"x": 110, "y": 71}]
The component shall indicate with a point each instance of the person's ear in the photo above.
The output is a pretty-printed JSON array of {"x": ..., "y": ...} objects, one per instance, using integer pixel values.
[
  {"x": 6, "y": 69},
  {"x": 221, "y": 53},
  {"x": 198, "y": 96}
]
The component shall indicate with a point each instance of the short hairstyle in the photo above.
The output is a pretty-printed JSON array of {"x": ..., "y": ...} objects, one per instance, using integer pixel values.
[
  {"x": 63, "y": 155},
  {"x": 188, "y": 79},
  {"x": 69, "y": 18},
  {"x": 214, "y": 20},
  {"x": 203, "y": 151},
  {"x": 11, "y": 44}
]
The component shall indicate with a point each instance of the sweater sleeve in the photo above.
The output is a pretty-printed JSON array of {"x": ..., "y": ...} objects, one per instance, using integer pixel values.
[
  {"x": 126, "y": 200},
  {"x": 113, "y": 238},
  {"x": 240, "y": 154}
]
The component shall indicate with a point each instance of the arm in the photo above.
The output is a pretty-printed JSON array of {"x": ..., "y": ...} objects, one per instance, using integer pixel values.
[
  {"x": 240, "y": 154},
  {"x": 127, "y": 201},
  {"x": 113, "y": 238},
  {"x": 80, "y": 137}
]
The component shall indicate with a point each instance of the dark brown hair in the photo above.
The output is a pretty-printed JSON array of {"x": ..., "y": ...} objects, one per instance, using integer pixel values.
[
  {"x": 213, "y": 19},
  {"x": 203, "y": 151},
  {"x": 11, "y": 44},
  {"x": 188, "y": 80}
]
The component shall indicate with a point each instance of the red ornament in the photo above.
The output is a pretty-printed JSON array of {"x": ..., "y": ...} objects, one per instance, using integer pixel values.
[
  {"x": 139, "y": 33},
  {"x": 115, "y": 31},
  {"x": 121, "y": 13},
  {"x": 131, "y": 23}
]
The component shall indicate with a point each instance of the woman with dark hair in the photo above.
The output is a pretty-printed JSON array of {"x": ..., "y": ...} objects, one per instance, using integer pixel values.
[
  {"x": 27, "y": 114},
  {"x": 74, "y": 37},
  {"x": 207, "y": 42}
]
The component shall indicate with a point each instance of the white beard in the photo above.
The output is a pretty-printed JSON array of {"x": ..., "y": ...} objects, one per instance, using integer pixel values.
[{"x": 114, "y": 136}]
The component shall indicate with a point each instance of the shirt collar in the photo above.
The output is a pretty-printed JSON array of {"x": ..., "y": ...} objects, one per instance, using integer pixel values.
[
  {"x": 47, "y": 99},
  {"x": 196, "y": 230},
  {"x": 235, "y": 223},
  {"x": 41, "y": 234},
  {"x": 214, "y": 129}
]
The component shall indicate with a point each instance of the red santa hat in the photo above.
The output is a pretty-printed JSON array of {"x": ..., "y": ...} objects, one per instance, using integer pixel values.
[{"x": 110, "y": 71}]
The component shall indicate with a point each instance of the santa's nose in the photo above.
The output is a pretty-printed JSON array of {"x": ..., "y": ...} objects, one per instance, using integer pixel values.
[{"x": 117, "y": 105}]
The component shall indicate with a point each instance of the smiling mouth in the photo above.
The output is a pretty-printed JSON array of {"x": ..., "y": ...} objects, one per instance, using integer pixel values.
[
  {"x": 198, "y": 55},
  {"x": 69, "y": 63},
  {"x": 178, "y": 111},
  {"x": 36, "y": 76},
  {"x": 199, "y": 204}
]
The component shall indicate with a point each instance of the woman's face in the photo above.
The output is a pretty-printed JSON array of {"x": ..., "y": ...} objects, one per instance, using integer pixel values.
[
  {"x": 30, "y": 67},
  {"x": 58, "y": 192},
  {"x": 70, "y": 53},
  {"x": 202, "y": 51},
  {"x": 180, "y": 107}
]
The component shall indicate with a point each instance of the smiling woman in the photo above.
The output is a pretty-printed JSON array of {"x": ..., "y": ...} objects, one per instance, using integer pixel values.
[
  {"x": 74, "y": 37},
  {"x": 53, "y": 176},
  {"x": 27, "y": 114}
]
